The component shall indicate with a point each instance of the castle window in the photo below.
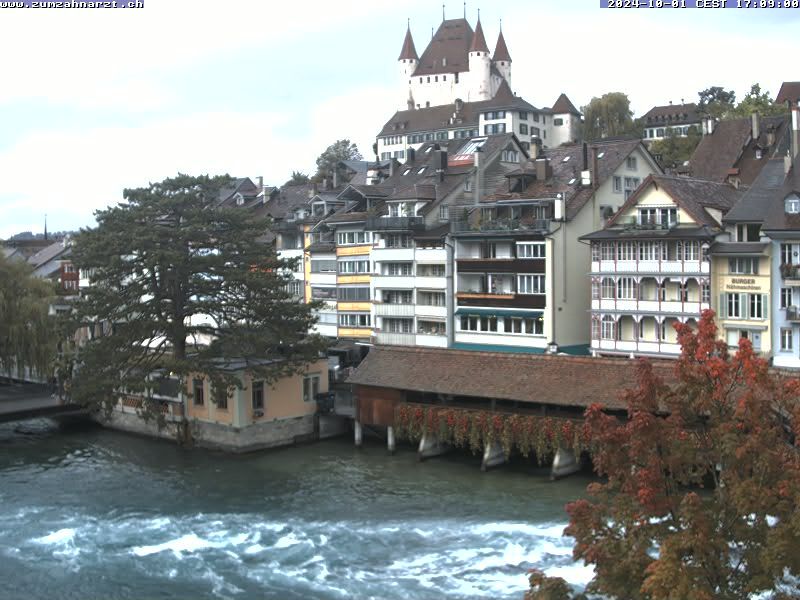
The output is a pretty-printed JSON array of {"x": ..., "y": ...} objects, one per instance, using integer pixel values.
[
  {"x": 429, "y": 80},
  {"x": 523, "y": 128},
  {"x": 558, "y": 122},
  {"x": 523, "y": 115},
  {"x": 436, "y": 79},
  {"x": 444, "y": 77},
  {"x": 456, "y": 77}
]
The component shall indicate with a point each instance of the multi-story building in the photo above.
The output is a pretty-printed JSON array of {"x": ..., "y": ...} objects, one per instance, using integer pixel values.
[
  {"x": 457, "y": 91},
  {"x": 672, "y": 119},
  {"x": 651, "y": 267},
  {"x": 517, "y": 252}
]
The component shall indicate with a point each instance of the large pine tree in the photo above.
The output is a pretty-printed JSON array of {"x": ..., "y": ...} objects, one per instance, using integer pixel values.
[{"x": 183, "y": 287}]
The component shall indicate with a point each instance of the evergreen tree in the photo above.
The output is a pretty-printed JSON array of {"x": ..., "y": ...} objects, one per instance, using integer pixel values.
[
  {"x": 182, "y": 287},
  {"x": 28, "y": 337}
]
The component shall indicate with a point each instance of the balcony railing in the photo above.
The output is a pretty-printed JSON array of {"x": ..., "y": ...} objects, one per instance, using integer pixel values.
[
  {"x": 793, "y": 314},
  {"x": 637, "y": 223},
  {"x": 790, "y": 271},
  {"x": 501, "y": 225},
  {"x": 394, "y": 223}
]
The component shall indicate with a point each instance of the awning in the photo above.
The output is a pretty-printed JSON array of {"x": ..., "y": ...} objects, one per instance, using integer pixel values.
[{"x": 498, "y": 312}]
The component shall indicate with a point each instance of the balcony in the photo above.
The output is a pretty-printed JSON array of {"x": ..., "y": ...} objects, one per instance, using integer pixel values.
[
  {"x": 503, "y": 300},
  {"x": 394, "y": 224},
  {"x": 501, "y": 225},
  {"x": 793, "y": 314},
  {"x": 634, "y": 223},
  {"x": 394, "y": 310},
  {"x": 395, "y": 339},
  {"x": 285, "y": 226}
]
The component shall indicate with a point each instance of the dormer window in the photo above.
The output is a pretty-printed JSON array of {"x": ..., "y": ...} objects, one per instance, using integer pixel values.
[
  {"x": 601, "y": 155},
  {"x": 566, "y": 158},
  {"x": 407, "y": 171},
  {"x": 421, "y": 170},
  {"x": 793, "y": 204}
]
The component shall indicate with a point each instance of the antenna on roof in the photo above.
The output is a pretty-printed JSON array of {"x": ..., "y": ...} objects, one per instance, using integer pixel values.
[
  {"x": 431, "y": 32},
  {"x": 45, "y": 227},
  {"x": 409, "y": 22},
  {"x": 501, "y": 24},
  {"x": 465, "y": 10},
  {"x": 479, "y": 14},
  {"x": 443, "y": 17}
]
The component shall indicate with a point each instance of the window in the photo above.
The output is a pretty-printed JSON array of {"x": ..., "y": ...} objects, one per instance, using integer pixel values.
[
  {"x": 595, "y": 290},
  {"x": 430, "y": 270},
  {"x": 743, "y": 266},
  {"x": 617, "y": 184},
  {"x": 498, "y": 114},
  {"x": 607, "y": 289},
  {"x": 444, "y": 213},
  {"x": 523, "y": 115},
  {"x": 750, "y": 232},
  {"x": 323, "y": 293},
  {"x": 353, "y": 266},
  {"x": 688, "y": 250},
  {"x": 323, "y": 266},
  {"x": 786, "y": 297},
  {"x": 509, "y": 156},
  {"x": 398, "y": 296},
  {"x": 705, "y": 293},
  {"x": 793, "y": 204},
  {"x": 476, "y": 323},
  {"x": 198, "y": 392},
  {"x": 626, "y": 251},
  {"x": 354, "y": 320},
  {"x": 350, "y": 238},
  {"x": 608, "y": 328},
  {"x": 398, "y": 240},
  {"x": 626, "y": 288},
  {"x": 660, "y": 132},
  {"x": 221, "y": 397},
  {"x": 399, "y": 269},
  {"x": 353, "y": 294},
  {"x": 756, "y": 306},
  {"x": 595, "y": 251},
  {"x": 607, "y": 251},
  {"x": 786, "y": 254},
  {"x": 523, "y": 128},
  {"x": 398, "y": 325},
  {"x": 786, "y": 340},
  {"x": 733, "y": 307},
  {"x": 431, "y": 298},
  {"x": 310, "y": 387},
  {"x": 431, "y": 328},
  {"x": 421, "y": 170},
  {"x": 535, "y": 132},
  {"x": 530, "y": 250},
  {"x": 295, "y": 288},
  {"x": 257, "y": 395},
  {"x": 325, "y": 318},
  {"x": 630, "y": 163},
  {"x": 650, "y": 251},
  {"x": 530, "y": 284},
  {"x": 595, "y": 329},
  {"x": 468, "y": 185},
  {"x": 495, "y": 128},
  {"x": 558, "y": 122}
]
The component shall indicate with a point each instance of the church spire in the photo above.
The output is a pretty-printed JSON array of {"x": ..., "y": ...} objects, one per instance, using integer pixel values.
[
  {"x": 501, "y": 49},
  {"x": 408, "y": 51},
  {"x": 478, "y": 39}
]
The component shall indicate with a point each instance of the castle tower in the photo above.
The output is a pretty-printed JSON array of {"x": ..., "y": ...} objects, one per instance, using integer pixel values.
[
  {"x": 480, "y": 65},
  {"x": 502, "y": 58},
  {"x": 407, "y": 61}
]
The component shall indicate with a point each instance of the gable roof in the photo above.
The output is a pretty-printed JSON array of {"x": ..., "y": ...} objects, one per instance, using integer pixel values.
[
  {"x": 448, "y": 51},
  {"x": 501, "y": 49},
  {"x": 777, "y": 219},
  {"x": 789, "y": 92},
  {"x": 446, "y": 116},
  {"x": 756, "y": 202},
  {"x": 730, "y": 145},
  {"x": 531, "y": 378},
  {"x": 672, "y": 114},
  {"x": 52, "y": 252},
  {"x": 408, "y": 51},
  {"x": 692, "y": 195},
  {"x": 563, "y": 106},
  {"x": 288, "y": 199}
]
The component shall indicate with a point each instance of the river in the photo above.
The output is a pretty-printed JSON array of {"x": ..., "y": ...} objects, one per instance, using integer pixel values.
[{"x": 88, "y": 513}]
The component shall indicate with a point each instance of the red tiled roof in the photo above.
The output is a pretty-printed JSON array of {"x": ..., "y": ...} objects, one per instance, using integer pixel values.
[
  {"x": 408, "y": 51},
  {"x": 672, "y": 114},
  {"x": 448, "y": 51},
  {"x": 479, "y": 40},
  {"x": 535, "y": 378},
  {"x": 564, "y": 106},
  {"x": 501, "y": 50}
]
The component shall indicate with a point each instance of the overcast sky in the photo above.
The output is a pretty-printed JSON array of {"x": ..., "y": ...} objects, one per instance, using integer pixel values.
[{"x": 94, "y": 101}]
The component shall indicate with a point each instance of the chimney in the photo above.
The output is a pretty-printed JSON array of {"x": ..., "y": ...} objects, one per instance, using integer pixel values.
[
  {"x": 795, "y": 128},
  {"x": 441, "y": 164},
  {"x": 260, "y": 182},
  {"x": 391, "y": 166},
  {"x": 335, "y": 178},
  {"x": 536, "y": 148},
  {"x": 594, "y": 173},
  {"x": 543, "y": 169},
  {"x": 478, "y": 188},
  {"x": 755, "y": 126},
  {"x": 411, "y": 155},
  {"x": 709, "y": 125}
]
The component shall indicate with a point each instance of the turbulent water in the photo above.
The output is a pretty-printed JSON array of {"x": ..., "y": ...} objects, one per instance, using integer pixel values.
[{"x": 89, "y": 513}]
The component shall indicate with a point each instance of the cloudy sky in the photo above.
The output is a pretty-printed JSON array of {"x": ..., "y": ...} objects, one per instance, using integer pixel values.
[{"x": 94, "y": 101}]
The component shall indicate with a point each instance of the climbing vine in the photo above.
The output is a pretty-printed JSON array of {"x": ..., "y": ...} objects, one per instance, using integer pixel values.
[{"x": 474, "y": 429}]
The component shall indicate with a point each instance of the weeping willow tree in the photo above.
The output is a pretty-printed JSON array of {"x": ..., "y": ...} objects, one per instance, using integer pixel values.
[{"x": 28, "y": 340}]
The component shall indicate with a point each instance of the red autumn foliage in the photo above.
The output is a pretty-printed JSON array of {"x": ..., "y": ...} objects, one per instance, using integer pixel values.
[{"x": 701, "y": 491}]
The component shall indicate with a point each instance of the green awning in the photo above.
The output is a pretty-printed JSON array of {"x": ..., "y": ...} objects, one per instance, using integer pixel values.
[{"x": 498, "y": 312}]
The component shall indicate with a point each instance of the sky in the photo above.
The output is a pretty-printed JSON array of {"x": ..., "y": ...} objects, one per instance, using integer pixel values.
[{"x": 93, "y": 101}]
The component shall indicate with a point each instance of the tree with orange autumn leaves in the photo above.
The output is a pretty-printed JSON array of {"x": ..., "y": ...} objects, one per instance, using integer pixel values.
[{"x": 701, "y": 498}]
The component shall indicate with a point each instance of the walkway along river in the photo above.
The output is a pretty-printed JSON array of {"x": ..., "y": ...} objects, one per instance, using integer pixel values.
[{"x": 90, "y": 513}]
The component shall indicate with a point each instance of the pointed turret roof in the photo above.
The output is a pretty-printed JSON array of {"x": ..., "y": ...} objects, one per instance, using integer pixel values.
[
  {"x": 501, "y": 50},
  {"x": 408, "y": 51},
  {"x": 563, "y": 106},
  {"x": 478, "y": 40}
]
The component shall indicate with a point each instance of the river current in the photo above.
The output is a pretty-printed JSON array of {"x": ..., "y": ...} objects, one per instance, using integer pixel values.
[{"x": 88, "y": 513}]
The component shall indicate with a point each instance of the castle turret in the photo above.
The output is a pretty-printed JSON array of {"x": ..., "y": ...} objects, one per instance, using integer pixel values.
[
  {"x": 480, "y": 65},
  {"x": 407, "y": 61},
  {"x": 502, "y": 58}
]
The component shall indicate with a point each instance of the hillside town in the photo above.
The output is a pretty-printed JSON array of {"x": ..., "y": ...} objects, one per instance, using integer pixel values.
[{"x": 544, "y": 281}]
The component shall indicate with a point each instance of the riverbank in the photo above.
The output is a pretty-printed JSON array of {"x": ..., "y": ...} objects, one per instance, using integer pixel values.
[{"x": 92, "y": 513}]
